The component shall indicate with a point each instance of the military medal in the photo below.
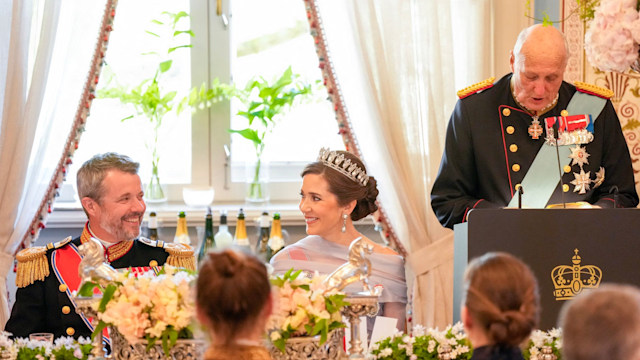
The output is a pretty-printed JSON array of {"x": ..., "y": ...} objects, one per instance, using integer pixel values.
[
  {"x": 574, "y": 129},
  {"x": 535, "y": 130}
]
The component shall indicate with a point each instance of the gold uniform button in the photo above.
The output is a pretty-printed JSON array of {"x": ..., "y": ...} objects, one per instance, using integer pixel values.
[
  {"x": 567, "y": 169},
  {"x": 515, "y": 167},
  {"x": 517, "y": 187},
  {"x": 62, "y": 287},
  {"x": 153, "y": 263},
  {"x": 510, "y": 129},
  {"x": 71, "y": 331},
  {"x": 513, "y": 147},
  {"x": 564, "y": 113},
  {"x": 506, "y": 112},
  {"x": 66, "y": 309},
  {"x": 565, "y": 188}
]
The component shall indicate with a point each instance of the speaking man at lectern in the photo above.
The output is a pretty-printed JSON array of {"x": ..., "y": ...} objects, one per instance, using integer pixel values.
[{"x": 502, "y": 136}]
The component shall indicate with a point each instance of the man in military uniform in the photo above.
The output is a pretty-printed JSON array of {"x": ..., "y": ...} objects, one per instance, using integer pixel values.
[
  {"x": 111, "y": 195},
  {"x": 502, "y": 137}
]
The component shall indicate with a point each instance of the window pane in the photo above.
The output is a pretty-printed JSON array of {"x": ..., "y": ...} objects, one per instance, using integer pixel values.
[
  {"x": 270, "y": 36},
  {"x": 104, "y": 129}
]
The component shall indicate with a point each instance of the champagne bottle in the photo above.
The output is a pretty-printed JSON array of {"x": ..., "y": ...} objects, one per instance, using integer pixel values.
[
  {"x": 152, "y": 226},
  {"x": 182, "y": 233},
  {"x": 263, "y": 235},
  {"x": 208, "y": 241},
  {"x": 240, "y": 239},
  {"x": 276, "y": 242},
  {"x": 223, "y": 238}
]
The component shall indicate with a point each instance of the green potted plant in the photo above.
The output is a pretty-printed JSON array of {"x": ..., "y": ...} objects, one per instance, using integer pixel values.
[
  {"x": 262, "y": 104},
  {"x": 152, "y": 98}
]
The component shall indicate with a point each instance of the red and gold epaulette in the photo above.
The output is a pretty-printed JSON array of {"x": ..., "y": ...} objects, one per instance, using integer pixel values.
[
  {"x": 594, "y": 90},
  {"x": 477, "y": 87},
  {"x": 180, "y": 255},
  {"x": 33, "y": 264}
]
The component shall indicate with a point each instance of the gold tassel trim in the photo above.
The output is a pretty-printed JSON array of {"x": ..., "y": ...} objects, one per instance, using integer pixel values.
[
  {"x": 32, "y": 266},
  {"x": 472, "y": 89},
  {"x": 180, "y": 255},
  {"x": 594, "y": 90}
]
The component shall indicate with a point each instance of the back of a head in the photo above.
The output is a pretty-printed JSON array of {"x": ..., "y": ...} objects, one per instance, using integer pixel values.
[
  {"x": 232, "y": 291},
  {"x": 501, "y": 295},
  {"x": 602, "y": 324}
]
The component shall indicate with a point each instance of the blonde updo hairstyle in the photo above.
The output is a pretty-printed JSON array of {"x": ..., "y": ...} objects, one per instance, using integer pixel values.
[
  {"x": 346, "y": 189},
  {"x": 501, "y": 296}
]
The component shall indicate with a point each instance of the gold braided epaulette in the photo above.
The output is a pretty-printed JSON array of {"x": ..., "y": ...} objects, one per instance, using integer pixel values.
[
  {"x": 33, "y": 264},
  {"x": 594, "y": 90},
  {"x": 180, "y": 255},
  {"x": 477, "y": 87}
]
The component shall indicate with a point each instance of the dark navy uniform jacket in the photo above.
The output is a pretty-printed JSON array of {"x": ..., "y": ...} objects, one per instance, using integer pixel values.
[
  {"x": 45, "y": 306},
  {"x": 488, "y": 151}
]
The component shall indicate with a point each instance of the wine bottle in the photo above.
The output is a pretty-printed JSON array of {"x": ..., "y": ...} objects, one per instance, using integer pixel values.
[
  {"x": 152, "y": 226},
  {"x": 223, "y": 238},
  {"x": 276, "y": 242},
  {"x": 208, "y": 241},
  {"x": 182, "y": 233},
  {"x": 240, "y": 240},
  {"x": 263, "y": 235}
]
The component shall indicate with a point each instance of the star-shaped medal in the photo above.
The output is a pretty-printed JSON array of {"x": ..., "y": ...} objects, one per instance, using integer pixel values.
[
  {"x": 579, "y": 156},
  {"x": 581, "y": 181}
]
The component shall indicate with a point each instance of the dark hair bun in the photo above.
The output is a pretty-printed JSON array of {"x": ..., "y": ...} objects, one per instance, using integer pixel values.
[
  {"x": 511, "y": 327},
  {"x": 367, "y": 205}
]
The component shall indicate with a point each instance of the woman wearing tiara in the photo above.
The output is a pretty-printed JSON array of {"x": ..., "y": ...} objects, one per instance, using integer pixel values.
[{"x": 331, "y": 199}]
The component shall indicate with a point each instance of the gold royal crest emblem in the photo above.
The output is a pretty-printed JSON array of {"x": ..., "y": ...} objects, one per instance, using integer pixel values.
[{"x": 570, "y": 280}]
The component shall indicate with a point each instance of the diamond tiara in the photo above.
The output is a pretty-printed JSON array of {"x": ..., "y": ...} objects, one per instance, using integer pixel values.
[{"x": 340, "y": 163}]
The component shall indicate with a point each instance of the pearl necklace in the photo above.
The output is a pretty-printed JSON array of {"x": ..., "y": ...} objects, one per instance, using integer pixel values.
[{"x": 534, "y": 130}]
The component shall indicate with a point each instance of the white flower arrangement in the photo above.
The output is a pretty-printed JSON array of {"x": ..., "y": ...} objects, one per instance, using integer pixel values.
[
  {"x": 65, "y": 348},
  {"x": 424, "y": 344},
  {"x": 540, "y": 340},
  {"x": 149, "y": 306},
  {"x": 305, "y": 307},
  {"x": 611, "y": 41}
]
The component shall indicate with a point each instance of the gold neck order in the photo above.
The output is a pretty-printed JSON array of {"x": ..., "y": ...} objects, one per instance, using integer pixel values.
[{"x": 532, "y": 112}]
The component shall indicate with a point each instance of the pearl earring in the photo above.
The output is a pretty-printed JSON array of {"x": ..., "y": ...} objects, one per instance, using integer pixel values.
[{"x": 344, "y": 223}]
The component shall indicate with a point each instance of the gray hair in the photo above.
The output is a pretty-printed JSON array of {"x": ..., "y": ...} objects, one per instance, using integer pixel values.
[
  {"x": 92, "y": 173},
  {"x": 522, "y": 38},
  {"x": 603, "y": 323}
]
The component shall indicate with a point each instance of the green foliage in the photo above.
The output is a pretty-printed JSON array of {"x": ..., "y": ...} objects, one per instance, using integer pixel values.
[
  {"x": 151, "y": 98},
  {"x": 314, "y": 324},
  {"x": 424, "y": 345},
  {"x": 264, "y": 102}
]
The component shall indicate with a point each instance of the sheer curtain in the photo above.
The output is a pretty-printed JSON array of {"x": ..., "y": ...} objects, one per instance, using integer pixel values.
[
  {"x": 397, "y": 74},
  {"x": 47, "y": 55}
]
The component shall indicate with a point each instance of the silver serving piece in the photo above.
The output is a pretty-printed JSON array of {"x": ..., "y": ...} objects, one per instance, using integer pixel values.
[
  {"x": 92, "y": 268},
  {"x": 308, "y": 347},
  {"x": 184, "y": 349},
  {"x": 357, "y": 268}
]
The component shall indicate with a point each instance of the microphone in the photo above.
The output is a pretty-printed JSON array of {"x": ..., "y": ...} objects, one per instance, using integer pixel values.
[
  {"x": 614, "y": 190},
  {"x": 556, "y": 135},
  {"x": 520, "y": 192}
]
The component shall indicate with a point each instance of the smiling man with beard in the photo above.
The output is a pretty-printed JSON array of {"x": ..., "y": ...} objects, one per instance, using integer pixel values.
[{"x": 111, "y": 195}]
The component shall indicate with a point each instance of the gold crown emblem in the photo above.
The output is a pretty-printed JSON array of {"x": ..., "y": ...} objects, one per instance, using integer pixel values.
[{"x": 570, "y": 280}]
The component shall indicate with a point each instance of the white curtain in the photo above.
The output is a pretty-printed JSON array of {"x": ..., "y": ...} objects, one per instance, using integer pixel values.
[
  {"x": 46, "y": 50},
  {"x": 396, "y": 69}
]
